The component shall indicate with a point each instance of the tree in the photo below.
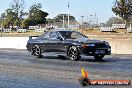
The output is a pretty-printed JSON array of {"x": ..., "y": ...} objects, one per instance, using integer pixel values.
[
  {"x": 114, "y": 20},
  {"x": 123, "y": 8},
  {"x": 3, "y": 16},
  {"x": 18, "y": 6},
  {"x": 14, "y": 14},
  {"x": 26, "y": 23},
  {"x": 86, "y": 25},
  {"x": 37, "y": 15},
  {"x": 59, "y": 18},
  {"x": 9, "y": 18},
  {"x": 49, "y": 20}
]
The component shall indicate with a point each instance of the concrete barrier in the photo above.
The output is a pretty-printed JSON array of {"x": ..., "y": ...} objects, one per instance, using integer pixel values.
[
  {"x": 118, "y": 46},
  {"x": 13, "y": 42}
]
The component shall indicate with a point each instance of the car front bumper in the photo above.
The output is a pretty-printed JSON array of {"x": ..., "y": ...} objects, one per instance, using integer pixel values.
[{"x": 95, "y": 51}]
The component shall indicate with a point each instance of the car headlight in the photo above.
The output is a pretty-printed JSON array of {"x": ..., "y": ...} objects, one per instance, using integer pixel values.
[{"x": 109, "y": 49}]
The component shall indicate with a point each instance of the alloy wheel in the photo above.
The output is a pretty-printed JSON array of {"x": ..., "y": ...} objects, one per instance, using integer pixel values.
[
  {"x": 73, "y": 53},
  {"x": 36, "y": 51}
]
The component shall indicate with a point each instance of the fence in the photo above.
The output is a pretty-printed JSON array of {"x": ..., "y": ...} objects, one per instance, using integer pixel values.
[
  {"x": 33, "y": 27},
  {"x": 119, "y": 26},
  {"x": 107, "y": 29},
  {"x": 39, "y": 30},
  {"x": 21, "y": 30},
  {"x": 60, "y": 29},
  {"x": 112, "y": 29},
  {"x": 73, "y": 26},
  {"x": 7, "y": 30}
]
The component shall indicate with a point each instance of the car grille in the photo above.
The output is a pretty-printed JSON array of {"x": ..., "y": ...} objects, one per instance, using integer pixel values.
[{"x": 100, "y": 45}]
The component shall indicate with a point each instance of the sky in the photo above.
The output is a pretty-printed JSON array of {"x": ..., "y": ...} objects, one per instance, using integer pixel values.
[{"x": 77, "y": 8}]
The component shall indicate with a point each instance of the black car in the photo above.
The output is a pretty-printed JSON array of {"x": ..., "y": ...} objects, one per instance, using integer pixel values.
[{"x": 72, "y": 43}]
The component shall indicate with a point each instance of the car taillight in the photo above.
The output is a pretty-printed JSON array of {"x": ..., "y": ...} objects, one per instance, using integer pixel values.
[{"x": 85, "y": 45}]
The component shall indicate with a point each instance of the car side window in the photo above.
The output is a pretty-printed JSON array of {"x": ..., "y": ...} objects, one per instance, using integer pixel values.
[
  {"x": 45, "y": 35},
  {"x": 54, "y": 35}
]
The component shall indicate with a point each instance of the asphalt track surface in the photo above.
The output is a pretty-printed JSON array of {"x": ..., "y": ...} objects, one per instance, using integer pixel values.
[{"x": 18, "y": 69}]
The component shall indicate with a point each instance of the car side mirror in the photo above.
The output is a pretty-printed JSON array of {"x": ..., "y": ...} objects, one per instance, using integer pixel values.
[{"x": 60, "y": 38}]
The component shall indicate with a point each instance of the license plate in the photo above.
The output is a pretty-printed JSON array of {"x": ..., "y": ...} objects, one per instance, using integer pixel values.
[{"x": 100, "y": 52}]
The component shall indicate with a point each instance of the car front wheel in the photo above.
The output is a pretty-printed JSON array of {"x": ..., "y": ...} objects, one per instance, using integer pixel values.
[
  {"x": 73, "y": 53},
  {"x": 99, "y": 57}
]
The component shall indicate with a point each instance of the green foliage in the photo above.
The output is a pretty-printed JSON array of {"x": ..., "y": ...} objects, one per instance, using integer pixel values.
[
  {"x": 114, "y": 20},
  {"x": 5, "y": 23},
  {"x": 49, "y": 20},
  {"x": 3, "y": 15},
  {"x": 17, "y": 22},
  {"x": 14, "y": 16},
  {"x": 123, "y": 8},
  {"x": 59, "y": 18},
  {"x": 9, "y": 18},
  {"x": 26, "y": 22},
  {"x": 37, "y": 15}
]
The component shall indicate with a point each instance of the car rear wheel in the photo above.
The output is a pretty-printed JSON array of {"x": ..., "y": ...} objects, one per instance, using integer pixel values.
[
  {"x": 99, "y": 57},
  {"x": 73, "y": 53},
  {"x": 36, "y": 51}
]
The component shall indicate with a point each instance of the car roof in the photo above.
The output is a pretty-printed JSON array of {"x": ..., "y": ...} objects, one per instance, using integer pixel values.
[{"x": 59, "y": 30}]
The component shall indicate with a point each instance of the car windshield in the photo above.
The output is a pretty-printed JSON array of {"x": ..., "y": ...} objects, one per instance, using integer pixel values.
[{"x": 72, "y": 35}]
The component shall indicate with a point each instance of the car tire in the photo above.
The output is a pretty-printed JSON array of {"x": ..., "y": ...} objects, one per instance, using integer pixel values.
[
  {"x": 99, "y": 57},
  {"x": 36, "y": 51},
  {"x": 73, "y": 53}
]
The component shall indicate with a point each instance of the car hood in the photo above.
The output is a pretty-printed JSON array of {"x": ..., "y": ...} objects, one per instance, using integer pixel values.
[{"x": 86, "y": 40}]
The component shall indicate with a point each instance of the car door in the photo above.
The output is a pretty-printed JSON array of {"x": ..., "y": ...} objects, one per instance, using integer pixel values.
[
  {"x": 43, "y": 41},
  {"x": 54, "y": 44}
]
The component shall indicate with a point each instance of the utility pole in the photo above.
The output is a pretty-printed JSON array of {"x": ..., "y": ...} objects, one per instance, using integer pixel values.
[
  {"x": 82, "y": 21},
  {"x": 63, "y": 21},
  {"x": 91, "y": 21},
  {"x": 68, "y": 15},
  {"x": 95, "y": 20},
  {"x": 1, "y": 29}
]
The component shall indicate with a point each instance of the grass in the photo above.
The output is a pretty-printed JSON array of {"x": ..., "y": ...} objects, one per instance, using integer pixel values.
[
  {"x": 27, "y": 34},
  {"x": 91, "y": 33}
]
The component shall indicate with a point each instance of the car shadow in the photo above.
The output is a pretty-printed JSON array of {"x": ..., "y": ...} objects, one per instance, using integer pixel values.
[
  {"x": 89, "y": 58},
  {"x": 59, "y": 57},
  {"x": 63, "y": 57}
]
